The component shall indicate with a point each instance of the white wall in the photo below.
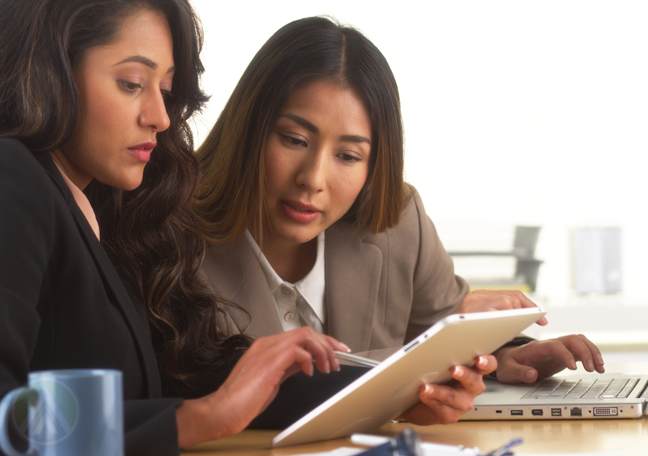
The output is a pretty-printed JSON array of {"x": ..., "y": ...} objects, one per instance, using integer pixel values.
[{"x": 516, "y": 112}]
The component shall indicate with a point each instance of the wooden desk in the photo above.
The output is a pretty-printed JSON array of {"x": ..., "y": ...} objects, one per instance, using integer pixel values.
[{"x": 629, "y": 437}]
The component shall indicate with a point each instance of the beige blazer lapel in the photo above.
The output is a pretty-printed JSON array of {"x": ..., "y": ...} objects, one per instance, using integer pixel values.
[
  {"x": 353, "y": 270},
  {"x": 234, "y": 274}
]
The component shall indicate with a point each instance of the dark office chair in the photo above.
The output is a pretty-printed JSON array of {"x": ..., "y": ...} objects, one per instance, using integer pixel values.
[{"x": 527, "y": 266}]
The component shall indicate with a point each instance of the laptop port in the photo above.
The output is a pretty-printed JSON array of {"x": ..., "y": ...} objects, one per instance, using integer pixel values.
[
  {"x": 517, "y": 412},
  {"x": 606, "y": 411},
  {"x": 536, "y": 412},
  {"x": 576, "y": 411},
  {"x": 556, "y": 412},
  {"x": 498, "y": 411}
]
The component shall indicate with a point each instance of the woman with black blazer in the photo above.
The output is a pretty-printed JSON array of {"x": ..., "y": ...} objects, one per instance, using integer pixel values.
[{"x": 97, "y": 239}]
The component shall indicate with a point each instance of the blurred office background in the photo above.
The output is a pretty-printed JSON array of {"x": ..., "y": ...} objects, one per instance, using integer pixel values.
[{"x": 516, "y": 113}]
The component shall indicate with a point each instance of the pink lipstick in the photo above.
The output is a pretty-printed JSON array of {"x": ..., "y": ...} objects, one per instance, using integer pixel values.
[
  {"x": 302, "y": 213},
  {"x": 142, "y": 152}
]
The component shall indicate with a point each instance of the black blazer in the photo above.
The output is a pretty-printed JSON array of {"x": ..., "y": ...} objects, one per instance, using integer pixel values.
[{"x": 62, "y": 304}]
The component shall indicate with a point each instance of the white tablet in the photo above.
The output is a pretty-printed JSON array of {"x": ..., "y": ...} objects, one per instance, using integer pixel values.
[{"x": 391, "y": 388}]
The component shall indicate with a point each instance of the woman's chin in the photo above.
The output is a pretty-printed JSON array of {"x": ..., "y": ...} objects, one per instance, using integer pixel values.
[{"x": 126, "y": 183}]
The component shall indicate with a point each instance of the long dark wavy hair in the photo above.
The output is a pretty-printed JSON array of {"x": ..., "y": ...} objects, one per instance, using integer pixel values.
[
  {"x": 232, "y": 194},
  {"x": 150, "y": 233}
]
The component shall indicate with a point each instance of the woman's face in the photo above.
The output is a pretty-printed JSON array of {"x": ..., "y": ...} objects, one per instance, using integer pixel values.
[
  {"x": 316, "y": 160},
  {"x": 122, "y": 87}
]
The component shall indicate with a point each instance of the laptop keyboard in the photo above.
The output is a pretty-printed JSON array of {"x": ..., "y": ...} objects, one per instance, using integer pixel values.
[{"x": 577, "y": 388}]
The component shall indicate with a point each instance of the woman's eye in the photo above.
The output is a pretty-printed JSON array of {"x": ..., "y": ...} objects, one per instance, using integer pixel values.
[
  {"x": 349, "y": 158},
  {"x": 293, "y": 141},
  {"x": 166, "y": 94},
  {"x": 129, "y": 87}
]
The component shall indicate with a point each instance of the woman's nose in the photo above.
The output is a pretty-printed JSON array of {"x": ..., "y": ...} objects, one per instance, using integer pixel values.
[
  {"x": 154, "y": 114},
  {"x": 313, "y": 172}
]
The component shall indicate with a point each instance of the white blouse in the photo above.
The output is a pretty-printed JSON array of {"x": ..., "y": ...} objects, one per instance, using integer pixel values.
[{"x": 301, "y": 303}]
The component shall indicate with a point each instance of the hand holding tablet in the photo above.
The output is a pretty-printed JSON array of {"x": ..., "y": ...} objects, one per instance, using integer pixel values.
[{"x": 392, "y": 387}]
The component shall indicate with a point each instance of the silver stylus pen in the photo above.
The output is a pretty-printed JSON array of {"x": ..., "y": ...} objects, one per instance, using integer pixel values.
[{"x": 356, "y": 359}]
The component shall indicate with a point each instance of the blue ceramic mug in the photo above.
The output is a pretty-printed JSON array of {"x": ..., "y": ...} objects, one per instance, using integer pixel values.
[{"x": 66, "y": 412}]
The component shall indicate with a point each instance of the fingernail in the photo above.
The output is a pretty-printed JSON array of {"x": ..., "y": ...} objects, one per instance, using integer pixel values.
[
  {"x": 427, "y": 389},
  {"x": 481, "y": 361},
  {"x": 590, "y": 364},
  {"x": 572, "y": 364},
  {"x": 348, "y": 350},
  {"x": 530, "y": 374},
  {"x": 599, "y": 359},
  {"x": 459, "y": 372}
]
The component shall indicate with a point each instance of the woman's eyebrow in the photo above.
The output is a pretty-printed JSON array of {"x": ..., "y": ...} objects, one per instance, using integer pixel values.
[
  {"x": 144, "y": 61},
  {"x": 301, "y": 121},
  {"x": 309, "y": 126},
  {"x": 355, "y": 139}
]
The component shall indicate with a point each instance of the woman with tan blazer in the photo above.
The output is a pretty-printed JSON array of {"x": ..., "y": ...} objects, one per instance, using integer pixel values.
[
  {"x": 310, "y": 221},
  {"x": 373, "y": 282}
]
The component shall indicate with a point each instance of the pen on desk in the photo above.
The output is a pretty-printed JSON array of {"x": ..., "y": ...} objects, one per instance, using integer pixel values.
[
  {"x": 504, "y": 450},
  {"x": 437, "y": 449},
  {"x": 368, "y": 440},
  {"x": 356, "y": 359}
]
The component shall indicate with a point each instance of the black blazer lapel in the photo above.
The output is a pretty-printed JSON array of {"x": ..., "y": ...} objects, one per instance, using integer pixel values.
[{"x": 112, "y": 282}]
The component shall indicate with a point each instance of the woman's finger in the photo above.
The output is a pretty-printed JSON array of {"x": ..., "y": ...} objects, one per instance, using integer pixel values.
[
  {"x": 584, "y": 351},
  {"x": 446, "y": 401},
  {"x": 598, "y": 357},
  {"x": 320, "y": 347},
  {"x": 543, "y": 351},
  {"x": 489, "y": 300},
  {"x": 510, "y": 371},
  {"x": 470, "y": 380},
  {"x": 486, "y": 364}
]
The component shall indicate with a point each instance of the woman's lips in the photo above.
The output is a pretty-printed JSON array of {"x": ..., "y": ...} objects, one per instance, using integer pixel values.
[
  {"x": 142, "y": 152},
  {"x": 299, "y": 213}
]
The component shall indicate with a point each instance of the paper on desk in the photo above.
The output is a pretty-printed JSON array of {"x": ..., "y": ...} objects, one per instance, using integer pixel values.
[
  {"x": 429, "y": 451},
  {"x": 348, "y": 451},
  {"x": 605, "y": 453},
  {"x": 427, "y": 448},
  {"x": 342, "y": 451}
]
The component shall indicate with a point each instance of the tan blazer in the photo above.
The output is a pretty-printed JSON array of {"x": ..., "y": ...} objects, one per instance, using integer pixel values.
[{"x": 381, "y": 290}]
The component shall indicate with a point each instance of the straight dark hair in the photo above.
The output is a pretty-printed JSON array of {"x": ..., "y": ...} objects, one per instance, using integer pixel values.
[
  {"x": 232, "y": 194},
  {"x": 151, "y": 234}
]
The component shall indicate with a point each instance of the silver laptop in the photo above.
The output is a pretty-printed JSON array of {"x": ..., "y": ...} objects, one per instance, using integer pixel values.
[{"x": 589, "y": 396}]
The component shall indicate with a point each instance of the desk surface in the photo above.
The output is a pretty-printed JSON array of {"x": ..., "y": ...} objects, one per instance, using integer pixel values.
[{"x": 627, "y": 436}]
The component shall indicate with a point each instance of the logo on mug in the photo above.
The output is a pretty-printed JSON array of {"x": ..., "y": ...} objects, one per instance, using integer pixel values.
[{"x": 54, "y": 412}]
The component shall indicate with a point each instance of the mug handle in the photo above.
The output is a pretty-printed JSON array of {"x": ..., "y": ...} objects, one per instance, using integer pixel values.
[{"x": 5, "y": 413}]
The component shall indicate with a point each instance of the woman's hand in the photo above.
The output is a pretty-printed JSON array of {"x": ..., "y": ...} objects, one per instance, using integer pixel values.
[
  {"x": 444, "y": 404},
  {"x": 543, "y": 358},
  {"x": 254, "y": 382},
  {"x": 487, "y": 300}
]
